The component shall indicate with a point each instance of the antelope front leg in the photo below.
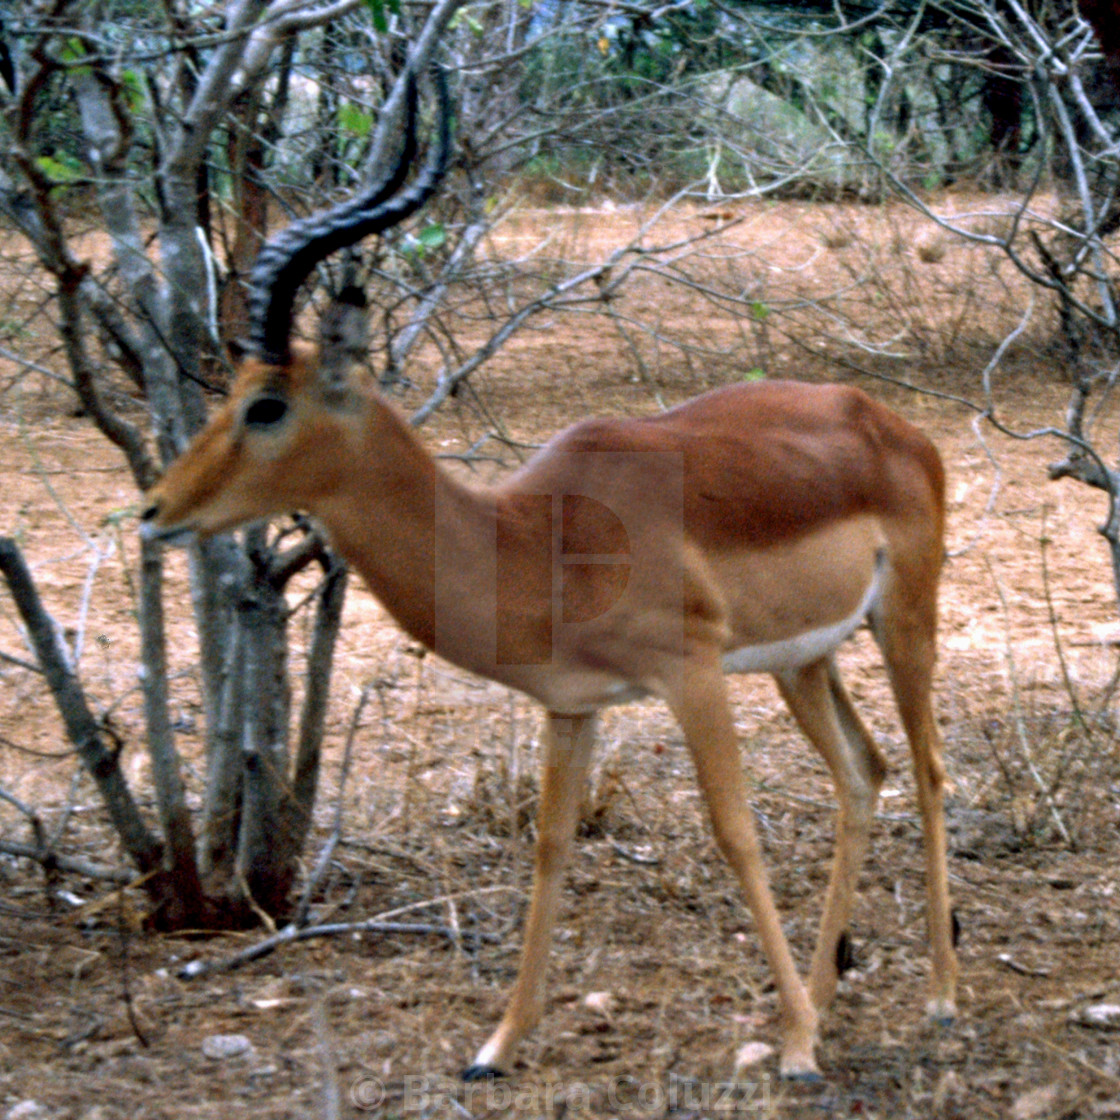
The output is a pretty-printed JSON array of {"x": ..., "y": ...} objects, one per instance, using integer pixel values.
[
  {"x": 568, "y": 741},
  {"x": 705, "y": 716}
]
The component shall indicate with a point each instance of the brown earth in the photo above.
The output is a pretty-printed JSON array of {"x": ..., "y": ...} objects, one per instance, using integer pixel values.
[{"x": 657, "y": 976}]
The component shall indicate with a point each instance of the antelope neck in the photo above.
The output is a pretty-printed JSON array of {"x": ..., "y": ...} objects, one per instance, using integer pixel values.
[{"x": 394, "y": 514}]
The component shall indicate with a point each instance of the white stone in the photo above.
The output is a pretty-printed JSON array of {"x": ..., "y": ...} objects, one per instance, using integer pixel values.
[
  {"x": 752, "y": 1054},
  {"x": 222, "y": 1046}
]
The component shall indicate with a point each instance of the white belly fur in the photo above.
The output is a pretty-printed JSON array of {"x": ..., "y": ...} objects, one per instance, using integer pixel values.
[
  {"x": 769, "y": 657},
  {"x": 810, "y": 646}
]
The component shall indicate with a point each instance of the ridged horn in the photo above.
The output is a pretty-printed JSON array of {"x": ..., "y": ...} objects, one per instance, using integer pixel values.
[{"x": 289, "y": 257}]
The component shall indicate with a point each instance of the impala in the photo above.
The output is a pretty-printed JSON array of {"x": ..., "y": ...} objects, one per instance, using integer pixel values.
[{"x": 752, "y": 529}]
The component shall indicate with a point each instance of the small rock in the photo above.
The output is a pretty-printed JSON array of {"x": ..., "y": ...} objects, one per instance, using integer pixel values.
[
  {"x": 380, "y": 1042},
  {"x": 223, "y": 1046},
  {"x": 1102, "y": 1016},
  {"x": 947, "y": 1092},
  {"x": 601, "y": 1002},
  {"x": 1036, "y": 1103},
  {"x": 752, "y": 1054},
  {"x": 26, "y": 1110}
]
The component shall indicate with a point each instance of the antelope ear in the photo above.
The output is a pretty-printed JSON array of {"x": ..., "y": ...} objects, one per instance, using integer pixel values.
[{"x": 343, "y": 338}]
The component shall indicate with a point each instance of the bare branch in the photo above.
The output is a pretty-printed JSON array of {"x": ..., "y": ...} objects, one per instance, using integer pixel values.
[
  {"x": 72, "y": 865},
  {"x": 81, "y": 725}
]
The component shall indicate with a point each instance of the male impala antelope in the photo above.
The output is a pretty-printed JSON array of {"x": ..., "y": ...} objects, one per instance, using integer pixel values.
[{"x": 751, "y": 529}]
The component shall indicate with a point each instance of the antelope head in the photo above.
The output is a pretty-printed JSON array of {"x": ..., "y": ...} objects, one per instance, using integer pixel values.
[{"x": 267, "y": 449}]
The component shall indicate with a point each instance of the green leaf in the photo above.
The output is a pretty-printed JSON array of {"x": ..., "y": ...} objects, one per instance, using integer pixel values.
[
  {"x": 120, "y": 516},
  {"x": 64, "y": 169},
  {"x": 432, "y": 236},
  {"x": 355, "y": 121},
  {"x": 463, "y": 17},
  {"x": 72, "y": 51},
  {"x": 377, "y": 12},
  {"x": 759, "y": 311},
  {"x": 133, "y": 89},
  {"x": 755, "y": 374}
]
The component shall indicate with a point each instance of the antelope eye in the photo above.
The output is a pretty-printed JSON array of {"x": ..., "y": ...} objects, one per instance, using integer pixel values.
[{"x": 265, "y": 412}]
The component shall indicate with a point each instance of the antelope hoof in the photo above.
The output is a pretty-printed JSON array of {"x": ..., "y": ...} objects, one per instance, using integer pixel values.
[
  {"x": 482, "y": 1073},
  {"x": 802, "y": 1075},
  {"x": 800, "y": 1065},
  {"x": 943, "y": 1012}
]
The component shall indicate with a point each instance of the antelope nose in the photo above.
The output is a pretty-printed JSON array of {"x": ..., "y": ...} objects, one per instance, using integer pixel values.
[{"x": 149, "y": 513}]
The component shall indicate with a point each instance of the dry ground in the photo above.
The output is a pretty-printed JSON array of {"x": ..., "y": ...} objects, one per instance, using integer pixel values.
[{"x": 438, "y": 816}]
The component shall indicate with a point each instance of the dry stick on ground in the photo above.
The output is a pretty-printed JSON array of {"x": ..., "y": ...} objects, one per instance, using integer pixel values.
[
  {"x": 383, "y": 923},
  {"x": 290, "y": 935},
  {"x": 70, "y": 864}
]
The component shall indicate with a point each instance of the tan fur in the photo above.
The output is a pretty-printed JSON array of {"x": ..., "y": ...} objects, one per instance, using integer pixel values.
[{"x": 630, "y": 557}]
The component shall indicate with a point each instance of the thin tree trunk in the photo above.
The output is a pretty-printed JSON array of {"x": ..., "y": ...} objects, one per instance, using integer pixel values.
[
  {"x": 170, "y": 794},
  {"x": 82, "y": 726},
  {"x": 320, "y": 664},
  {"x": 264, "y": 868},
  {"x": 221, "y": 809}
]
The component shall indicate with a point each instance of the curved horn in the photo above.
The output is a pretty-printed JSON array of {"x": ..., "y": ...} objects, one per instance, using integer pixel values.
[{"x": 288, "y": 258}]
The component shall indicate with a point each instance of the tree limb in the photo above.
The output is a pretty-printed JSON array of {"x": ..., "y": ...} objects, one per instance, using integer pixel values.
[{"x": 82, "y": 727}]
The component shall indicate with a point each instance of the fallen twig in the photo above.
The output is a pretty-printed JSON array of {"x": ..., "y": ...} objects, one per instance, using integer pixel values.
[
  {"x": 634, "y": 856},
  {"x": 291, "y": 934},
  {"x": 68, "y": 863},
  {"x": 383, "y": 923},
  {"x": 1008, "y": 961}
]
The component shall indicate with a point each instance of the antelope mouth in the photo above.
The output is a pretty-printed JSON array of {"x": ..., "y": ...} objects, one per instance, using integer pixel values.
[
  {"x": 165, "y": 534},
  {"x": 172, "y": 535}
]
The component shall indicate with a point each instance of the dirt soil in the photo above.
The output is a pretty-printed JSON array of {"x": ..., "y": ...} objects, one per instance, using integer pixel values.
[{"x": 658, "y": 984}]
